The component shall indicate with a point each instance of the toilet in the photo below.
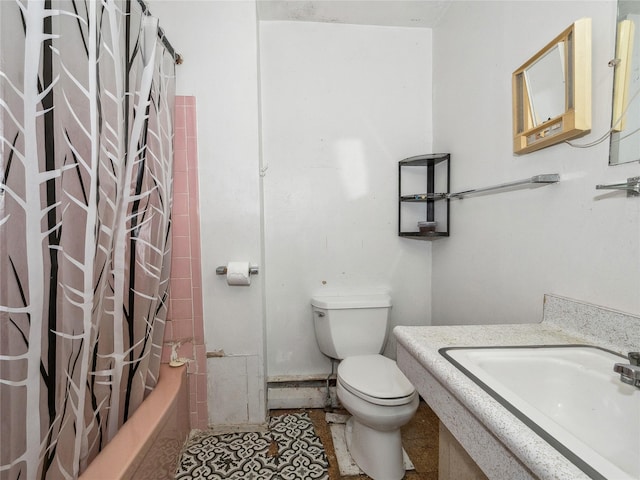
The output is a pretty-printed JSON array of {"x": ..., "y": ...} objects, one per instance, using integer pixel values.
[{"x": 370, "y": 387}]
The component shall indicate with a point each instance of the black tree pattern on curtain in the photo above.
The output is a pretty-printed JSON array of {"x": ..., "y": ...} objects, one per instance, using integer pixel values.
[{"x": 86, "y": 129}]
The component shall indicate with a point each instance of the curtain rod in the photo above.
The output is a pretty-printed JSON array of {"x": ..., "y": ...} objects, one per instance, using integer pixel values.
[{"x": 165, "y": 41}]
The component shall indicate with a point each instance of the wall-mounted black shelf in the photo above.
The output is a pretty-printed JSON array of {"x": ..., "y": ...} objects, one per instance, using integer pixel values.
[{"x": 423, "y": 188}]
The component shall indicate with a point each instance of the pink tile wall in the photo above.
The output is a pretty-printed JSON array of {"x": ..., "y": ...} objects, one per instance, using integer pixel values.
[{"x": 185, "y": 319}]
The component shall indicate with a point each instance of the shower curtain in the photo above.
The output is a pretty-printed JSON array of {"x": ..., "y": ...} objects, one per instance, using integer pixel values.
[{"x": 86, "y": 131}]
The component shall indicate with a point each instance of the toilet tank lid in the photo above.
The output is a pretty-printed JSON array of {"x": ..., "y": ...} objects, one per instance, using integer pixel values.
[{"x": 352, "y": 301}]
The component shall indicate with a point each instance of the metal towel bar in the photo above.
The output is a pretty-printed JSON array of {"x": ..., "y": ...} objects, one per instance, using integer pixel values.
[
  {"x": 536, "y": 179},
  {"x": 632, "y": 186}
]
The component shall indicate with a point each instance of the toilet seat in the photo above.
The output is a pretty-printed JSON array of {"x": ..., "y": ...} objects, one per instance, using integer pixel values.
[{"x": 375, "y": 379}]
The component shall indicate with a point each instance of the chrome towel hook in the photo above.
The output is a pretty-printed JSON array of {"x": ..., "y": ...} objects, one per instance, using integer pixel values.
[{"x": 632, "y": 186}]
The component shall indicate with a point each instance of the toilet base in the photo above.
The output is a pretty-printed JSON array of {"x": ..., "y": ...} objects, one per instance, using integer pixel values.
[{"x": 377, "y": 453}]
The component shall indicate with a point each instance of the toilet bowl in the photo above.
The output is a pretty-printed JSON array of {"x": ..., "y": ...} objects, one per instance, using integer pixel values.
[{"x": 381, "y": 400}]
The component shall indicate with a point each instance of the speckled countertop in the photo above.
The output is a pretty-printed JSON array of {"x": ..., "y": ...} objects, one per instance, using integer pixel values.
[{"x": 565, "y": 322}]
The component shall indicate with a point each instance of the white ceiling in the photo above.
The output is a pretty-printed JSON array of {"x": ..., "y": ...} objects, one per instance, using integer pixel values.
[{"x": 394, "y": 13}]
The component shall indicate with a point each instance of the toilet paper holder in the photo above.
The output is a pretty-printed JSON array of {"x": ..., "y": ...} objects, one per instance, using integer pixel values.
[{"x": 222, "y": 270}]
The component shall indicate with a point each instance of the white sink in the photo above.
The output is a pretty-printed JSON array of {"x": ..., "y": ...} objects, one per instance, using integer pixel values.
[{"x": 570, "y": 396}]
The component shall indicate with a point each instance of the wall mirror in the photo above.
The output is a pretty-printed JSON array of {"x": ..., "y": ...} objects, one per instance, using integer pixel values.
[
  {"x": 625, "y": 117},
  {"x": 552, "y": 91}
]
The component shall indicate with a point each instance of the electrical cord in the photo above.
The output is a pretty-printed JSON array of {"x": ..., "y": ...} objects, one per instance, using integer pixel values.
[{"x": 610, "y": 131}]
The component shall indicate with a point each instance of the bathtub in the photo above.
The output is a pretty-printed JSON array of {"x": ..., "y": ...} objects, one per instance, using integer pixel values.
[{"x": 148, "y": 444}]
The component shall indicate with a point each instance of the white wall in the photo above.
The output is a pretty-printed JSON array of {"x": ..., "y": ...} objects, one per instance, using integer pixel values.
[
  {"x": 341, "y": 104},
  {"x": 506, "y": 250},
  {"x": 218, "y": 41}
]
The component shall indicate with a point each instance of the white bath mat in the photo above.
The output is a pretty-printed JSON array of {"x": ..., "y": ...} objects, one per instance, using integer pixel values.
[{"x": 346, "y": 464}]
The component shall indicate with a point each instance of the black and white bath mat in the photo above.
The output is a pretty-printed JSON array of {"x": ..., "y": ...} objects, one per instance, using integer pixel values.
[{"x": 290, "y": 450}]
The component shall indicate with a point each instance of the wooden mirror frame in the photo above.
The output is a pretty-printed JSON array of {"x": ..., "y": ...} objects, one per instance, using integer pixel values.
[{"x": 576, "y": 119}]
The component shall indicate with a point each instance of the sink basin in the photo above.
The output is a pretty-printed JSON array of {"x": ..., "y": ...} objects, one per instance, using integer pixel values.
[{"x": 569, "y": 395}]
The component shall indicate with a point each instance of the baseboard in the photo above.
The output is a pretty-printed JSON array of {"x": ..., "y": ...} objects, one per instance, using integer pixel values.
[{"x": 285, "y": 394}]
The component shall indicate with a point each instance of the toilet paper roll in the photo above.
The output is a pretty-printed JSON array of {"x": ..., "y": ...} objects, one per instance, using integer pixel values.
[{"x": 238, "y": 273}]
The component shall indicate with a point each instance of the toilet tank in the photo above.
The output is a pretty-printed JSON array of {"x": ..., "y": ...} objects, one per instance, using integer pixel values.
[{"x": 351, "y": 325}]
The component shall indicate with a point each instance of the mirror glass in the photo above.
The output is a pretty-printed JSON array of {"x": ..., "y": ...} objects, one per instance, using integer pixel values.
[
  {"x": 545, "y": 81},
  {"x": 625, "y": 121}
]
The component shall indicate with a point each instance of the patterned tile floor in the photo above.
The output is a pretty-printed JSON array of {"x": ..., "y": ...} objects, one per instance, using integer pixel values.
[
  {"x": 298, "y": 446},
  {"x": 290, "y": 450}
]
